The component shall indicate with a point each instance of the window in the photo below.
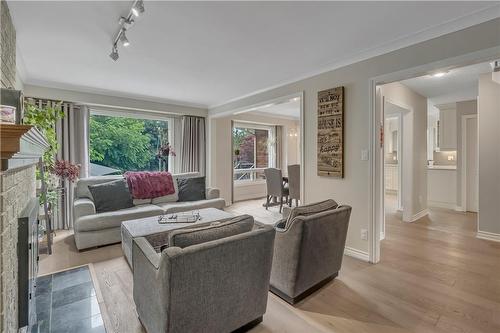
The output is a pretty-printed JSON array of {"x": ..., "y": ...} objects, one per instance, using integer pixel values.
[
  {"x": 119, "y": 144},
  {"x": 253, "y": 151}
]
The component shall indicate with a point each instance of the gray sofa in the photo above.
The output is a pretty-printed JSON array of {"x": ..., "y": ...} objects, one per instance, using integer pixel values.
[
  {"x": 209, "y": 279},
  {"x": 96, "y": 229},
  {"x": 309, "y": 248}
]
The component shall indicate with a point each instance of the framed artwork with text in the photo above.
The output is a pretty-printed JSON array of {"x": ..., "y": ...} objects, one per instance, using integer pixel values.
[{"x": 331, "y": 132}]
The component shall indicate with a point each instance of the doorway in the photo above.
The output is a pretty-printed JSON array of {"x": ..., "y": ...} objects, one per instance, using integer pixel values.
[{"x": 442, "y": 177}]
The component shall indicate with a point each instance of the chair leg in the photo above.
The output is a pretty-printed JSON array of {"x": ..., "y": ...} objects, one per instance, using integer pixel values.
[
  {"x": 296, "y": 202},
  {"x": 267, "y": 201},
  {"x": 281, "y": 203}
]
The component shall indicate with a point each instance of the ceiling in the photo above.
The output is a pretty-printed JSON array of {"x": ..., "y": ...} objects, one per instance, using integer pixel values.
[
  {"x": 207, "y": 53},
  {"x": 289, "y": 110},
  {"x": 460, "y": 84}
]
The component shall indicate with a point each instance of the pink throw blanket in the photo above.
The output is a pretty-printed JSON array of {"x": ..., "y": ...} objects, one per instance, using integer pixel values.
[{"x": 148, "y": 185}]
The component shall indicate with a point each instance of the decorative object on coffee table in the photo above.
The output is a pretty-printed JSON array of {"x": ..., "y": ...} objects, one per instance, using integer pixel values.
[
  {"x": 331, "y": 132},
  {"x": 186, "y": 217}
]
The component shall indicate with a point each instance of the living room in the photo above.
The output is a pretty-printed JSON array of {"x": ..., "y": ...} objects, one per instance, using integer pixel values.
[{"x": 122, "y": 131}]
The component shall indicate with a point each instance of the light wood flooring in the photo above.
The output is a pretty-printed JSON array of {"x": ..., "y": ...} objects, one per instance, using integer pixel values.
[{"x": 434, "y": 276}]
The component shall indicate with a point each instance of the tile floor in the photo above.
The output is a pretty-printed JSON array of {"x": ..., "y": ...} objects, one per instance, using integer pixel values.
[{"x": 66, "y": 302}]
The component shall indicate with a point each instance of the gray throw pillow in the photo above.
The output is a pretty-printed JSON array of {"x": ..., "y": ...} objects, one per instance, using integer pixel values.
[
  {"x": 111, "y": 196},
  {"x": 215, "y": 230},
  {"x": 191, "y": 189}
]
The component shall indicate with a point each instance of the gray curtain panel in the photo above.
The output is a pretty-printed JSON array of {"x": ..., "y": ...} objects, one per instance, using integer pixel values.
[
  {"x": 279, "y": 146},
  {"x": 192, "y": 157},
  {"x": 73, "y": 138}
]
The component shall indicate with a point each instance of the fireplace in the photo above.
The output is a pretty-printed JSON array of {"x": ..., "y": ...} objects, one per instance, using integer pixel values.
[
  {"x": 27, "y": 251},
  {"x": 21, "y": 147}
]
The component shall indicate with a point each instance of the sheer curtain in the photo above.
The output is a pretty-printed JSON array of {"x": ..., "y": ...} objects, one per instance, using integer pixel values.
[{"x": 192, "y": 157}]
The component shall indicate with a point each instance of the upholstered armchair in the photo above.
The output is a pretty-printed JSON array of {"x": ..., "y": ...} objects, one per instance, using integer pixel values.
[
  {"x": 308, "y": 249},
  {"x": 209, "y": 279}
]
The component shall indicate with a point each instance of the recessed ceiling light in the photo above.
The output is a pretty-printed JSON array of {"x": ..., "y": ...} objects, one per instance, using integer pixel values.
[{"x": 439, "y": 74}]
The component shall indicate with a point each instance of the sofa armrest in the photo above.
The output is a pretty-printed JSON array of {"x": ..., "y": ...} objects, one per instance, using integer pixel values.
[
  {"x": 212, "y": 193},
  {"x": 83, "y": 207}
]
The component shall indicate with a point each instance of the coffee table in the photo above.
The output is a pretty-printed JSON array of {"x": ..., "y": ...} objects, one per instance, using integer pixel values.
[{"x": 149, "y": 226}]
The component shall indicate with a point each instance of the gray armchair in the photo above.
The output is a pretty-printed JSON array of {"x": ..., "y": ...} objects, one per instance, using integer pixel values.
[
  {"x": 294, "y": 183},
  {"x": 308, "y": 249},
  {"x": 275, "y": 186},
  {"x": 203, "y": 283}
]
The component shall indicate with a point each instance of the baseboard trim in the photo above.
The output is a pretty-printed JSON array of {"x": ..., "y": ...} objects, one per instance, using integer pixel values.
[
  {"x": 358, "y": 254},
  {"x": 419, "y": 215},
  {"x": 440, "y": 204},
  {"x": 488, "y": 236}
]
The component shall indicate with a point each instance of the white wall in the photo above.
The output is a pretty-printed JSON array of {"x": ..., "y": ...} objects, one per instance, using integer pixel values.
[
  {"x": 354, "y": 188},
  {"x": 414, "y": 150},
  {"x": 463, "y": 108},
  {"x": 112, "y": 101},
  {"x": 489, "y": 155}
]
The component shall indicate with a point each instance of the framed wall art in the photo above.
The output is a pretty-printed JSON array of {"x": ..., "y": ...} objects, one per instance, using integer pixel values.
[{"x": 331, "y": 132}]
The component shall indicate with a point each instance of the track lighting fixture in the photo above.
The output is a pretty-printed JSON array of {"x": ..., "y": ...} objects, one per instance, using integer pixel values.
[
  {"x": 125, "y": 23},
  {"x": 114, "y": 54},
  {"x": 138, "y": 8},
  {"x": 124, "y": 39}
]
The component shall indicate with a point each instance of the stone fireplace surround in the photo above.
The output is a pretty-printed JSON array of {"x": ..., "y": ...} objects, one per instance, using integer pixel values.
[{"x": 21, "y": 149}]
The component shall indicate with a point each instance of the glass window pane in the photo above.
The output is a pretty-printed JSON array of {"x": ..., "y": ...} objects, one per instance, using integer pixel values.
[{"x": 119, "y": 144}]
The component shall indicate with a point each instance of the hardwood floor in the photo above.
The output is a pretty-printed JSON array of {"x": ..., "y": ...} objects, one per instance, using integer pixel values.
[{"x": 434, "y": 276}]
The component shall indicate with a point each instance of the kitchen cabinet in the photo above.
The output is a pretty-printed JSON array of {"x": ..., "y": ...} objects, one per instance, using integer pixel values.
[
  {"x": 442, "y": 186},
  {"x": 447, "y": 132},
  {"x": 391, "y": 178}
]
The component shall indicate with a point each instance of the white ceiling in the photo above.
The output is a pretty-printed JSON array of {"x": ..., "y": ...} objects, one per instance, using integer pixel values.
[
  {"x": 460, "y": 84},
  {"x": 289, "y": 110},
  {"x": 207, "y": 53}
]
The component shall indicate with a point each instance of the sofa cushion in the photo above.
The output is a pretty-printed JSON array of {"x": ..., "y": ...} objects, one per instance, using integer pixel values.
[
  {"x": 191, "y": 189},
  {"x": 115, "y": 219},
  {"x": 111, "y": 196},
  {"x": 138, "y": 202},
  {"x": 310, "y": 209},
  {"x": 215, "y": 230},
  {"x": 82, "y": 185},
  {"x": 176, "y": 207}
]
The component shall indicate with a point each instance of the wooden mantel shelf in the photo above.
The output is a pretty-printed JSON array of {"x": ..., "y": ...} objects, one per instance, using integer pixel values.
[{"x": 20, "y": 145}]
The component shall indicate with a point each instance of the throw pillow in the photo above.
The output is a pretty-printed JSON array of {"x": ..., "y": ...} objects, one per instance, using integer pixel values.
[
  {"x": 191, "y": 189},
  {"x": 215, "y": 230},
  {"x": 111, "y": 196}
]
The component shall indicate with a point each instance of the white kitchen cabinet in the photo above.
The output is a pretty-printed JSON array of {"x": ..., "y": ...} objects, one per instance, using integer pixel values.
[
  {"x": 391, "y": 178},
  {"x": 442, "y": 187},
  {"x": 447, "y": 137}
]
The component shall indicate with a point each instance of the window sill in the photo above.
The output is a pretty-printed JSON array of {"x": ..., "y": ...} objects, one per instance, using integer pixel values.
[{"x": 244, "y": 183}]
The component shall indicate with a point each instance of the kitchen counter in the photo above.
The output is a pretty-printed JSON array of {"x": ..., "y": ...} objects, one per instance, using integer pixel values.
[{"x": 442, "y": 167}]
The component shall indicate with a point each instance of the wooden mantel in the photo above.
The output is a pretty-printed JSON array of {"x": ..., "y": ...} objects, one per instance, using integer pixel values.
[
  {"x": 10, "y": 139},
  {"x": 20, "y": 145}
]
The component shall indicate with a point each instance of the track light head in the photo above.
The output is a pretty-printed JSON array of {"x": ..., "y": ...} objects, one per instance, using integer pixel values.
[
  {"x": 114, "y": 54},
  {"x": 124, "y": 39},
  {"x": 138, "y": 8}
]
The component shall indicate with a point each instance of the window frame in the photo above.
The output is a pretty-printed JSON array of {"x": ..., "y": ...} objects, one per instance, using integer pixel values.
[
  {"x": 141, "y": 115},
  {"x": 271, "y": 151}
]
